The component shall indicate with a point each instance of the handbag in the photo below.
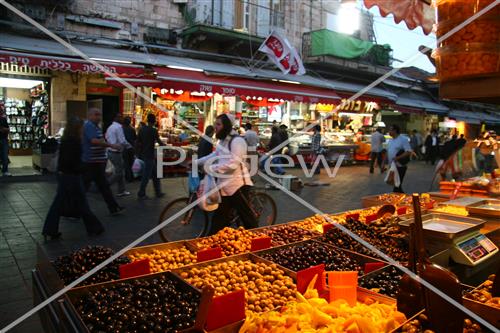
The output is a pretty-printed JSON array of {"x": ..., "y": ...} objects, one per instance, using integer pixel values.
[{"x": 110, "y": 168}]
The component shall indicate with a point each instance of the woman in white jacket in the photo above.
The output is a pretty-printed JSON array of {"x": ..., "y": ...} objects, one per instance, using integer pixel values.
[{"x": 227, "y": 164}]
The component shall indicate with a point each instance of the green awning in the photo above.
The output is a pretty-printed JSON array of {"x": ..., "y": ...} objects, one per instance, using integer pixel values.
[{"x": 327, "y": 42}]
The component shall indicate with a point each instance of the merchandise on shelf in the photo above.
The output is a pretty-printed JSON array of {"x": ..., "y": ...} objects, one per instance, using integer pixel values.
[
  {"x": 21, "y": 134},
  {"x": 79, "y": 262},
  {"x": 266, "y": 286},
  {"x": 39, "y": 114}
]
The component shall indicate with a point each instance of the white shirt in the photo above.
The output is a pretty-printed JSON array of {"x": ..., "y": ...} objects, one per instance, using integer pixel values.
[
  {"x": 115, "y": 136},
  {"x": 251, "y": 138},
  {"x": 377, "y": 140},
  {"x": 434, "y": 141},
  {"x": 230, "y": 164},
  {"x": 395, "y": 145}
]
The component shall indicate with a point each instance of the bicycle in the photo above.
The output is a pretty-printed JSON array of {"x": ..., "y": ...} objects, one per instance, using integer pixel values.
[{"x": 195, "y": 222}]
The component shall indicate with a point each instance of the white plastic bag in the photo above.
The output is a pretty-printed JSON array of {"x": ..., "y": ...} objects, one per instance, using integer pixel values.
[
  {"x": 137, "y": 167},
  {"x": 110, "y": 168},
  {"x": 209, "y": 199},
  {"x": 392, "y": 177}
]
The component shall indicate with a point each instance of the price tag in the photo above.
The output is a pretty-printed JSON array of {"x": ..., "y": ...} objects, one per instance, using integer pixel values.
[
  {"x": 326, "y": 227},
  {"x": 372, "y": 266},
  {"x": 370, "y": 218},
  {"x": 209, "y": 254},
  {"x": 402, "y": 210},
  {"x": 305, "y": 276},
  {"x": 353, "y": 216},
  {"x": 136, "y": 268},
  {"x": 260, "y": 243},
  {"x": 225, "y": 310},
  {"x": 455, "y": 191}
]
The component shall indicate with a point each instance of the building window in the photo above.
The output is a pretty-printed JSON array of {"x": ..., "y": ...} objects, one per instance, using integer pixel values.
[{"x": 128, "y": 102}]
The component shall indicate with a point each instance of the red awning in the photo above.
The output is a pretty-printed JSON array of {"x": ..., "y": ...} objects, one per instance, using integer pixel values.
[
  {"x": 68, "y": 64},
  {"x": 236, "y": 86}
]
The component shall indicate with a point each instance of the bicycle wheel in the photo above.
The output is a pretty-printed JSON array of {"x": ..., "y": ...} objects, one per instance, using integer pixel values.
[
  {"x": 265, "y": 208},
  {"x": 192, "y": 224}
]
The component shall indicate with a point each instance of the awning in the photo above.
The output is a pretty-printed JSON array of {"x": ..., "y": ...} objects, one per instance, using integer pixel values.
[
  {"x": 67, "y": 64},
  {"x": 422, "y": 101},
  {"x": 476, "y": 117},
  {"x": 406, "y": 109},
  {"x": 229, "y": 85}
]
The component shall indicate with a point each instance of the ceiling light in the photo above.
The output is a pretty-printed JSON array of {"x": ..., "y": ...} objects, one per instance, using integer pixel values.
[
  {"x": 286, "y": 81},
  {"x": 18, "y": 83},
  {"x": 186, "y": 68},
  {"x": 112, "y": 60}
]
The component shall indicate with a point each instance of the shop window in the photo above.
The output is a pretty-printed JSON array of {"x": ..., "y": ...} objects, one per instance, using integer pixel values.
[{"x": 128, "y": 102}]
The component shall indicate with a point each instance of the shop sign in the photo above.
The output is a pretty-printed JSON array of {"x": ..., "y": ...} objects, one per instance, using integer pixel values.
[
  {"x": 8, "y": 68},
  {"x": 358, "y": 106},
  {"x": 66, "y": 64}
]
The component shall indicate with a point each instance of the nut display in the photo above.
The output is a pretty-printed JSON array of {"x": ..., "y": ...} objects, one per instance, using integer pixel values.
[
  {"x": 395, "y": 249},
  {"x": 385, "y": 282},
  {"x": 286, "y": 234},
  {"x": 164, "y": 260},
  {"x": 404, "y": 199},
  {"x": 231, "y": 241},
  {"x": 421, "y": 325},
  {"x": 314, "y": 223},
  {"x": 363, "y": 213},
  {"x": 81, "y": 261},
  {"x": 299, "y": 257},
  {"x": 456, "y": 210},
  {"x": 158, "y": 305},
  {"x": 266, "y": 286},
  {"x": 483, "y": 294}
]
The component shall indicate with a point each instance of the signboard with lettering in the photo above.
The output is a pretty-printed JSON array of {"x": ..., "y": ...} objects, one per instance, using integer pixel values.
[
  {"x": 68, "y": 64},
  {"x": 358, "y": 106}
]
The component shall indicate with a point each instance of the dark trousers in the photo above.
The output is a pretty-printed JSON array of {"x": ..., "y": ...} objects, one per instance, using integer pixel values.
[
  {"x": 70, "y": 185},
  {"x": 148, "y": 173},
  {"x": 238, "y": 201},
  {"x": 128, "y": 158},
  {"x": 402, "y": 173},
  {"x": 4, "y": 154},
  {"x": 378, "y": 157},
  {"x": 96, "y": 172},
  {"x": 432, "y": 154}
]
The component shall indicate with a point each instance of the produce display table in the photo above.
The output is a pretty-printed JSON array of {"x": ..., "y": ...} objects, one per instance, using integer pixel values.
[{"x": 244, "y": 277}]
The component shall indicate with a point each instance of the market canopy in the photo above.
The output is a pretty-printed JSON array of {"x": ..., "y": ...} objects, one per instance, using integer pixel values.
[
  {"x": 68, "y": 64},
  {"x": 236, "y": 86}
]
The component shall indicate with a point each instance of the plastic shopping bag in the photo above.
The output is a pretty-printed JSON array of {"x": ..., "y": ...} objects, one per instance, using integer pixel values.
[
  {"x": 392, "y": 177},
  {"x": 209, "y": 199},
  {"x": 137, "y": 167},
  {"x": 110, "y": 168}
]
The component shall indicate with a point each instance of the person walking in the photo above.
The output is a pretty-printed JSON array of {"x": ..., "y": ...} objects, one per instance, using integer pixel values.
[
  {"x": 94, "y": 159},
  {"x": 4, "y": 143},
  {"x": 316, "y": 146},
  {"x": 146, "y": 139},
  {"x": 376, "y": 155},
  {"x": 275, "y": 141},
  {"x": 206, "y": 147},
  {"x": 228, "y": 159},
  {"x": 129, "y": 153},
  {"x": 431, "y": 147},
  {"x": 70, "y": 189},
  {"x": 251, "y": 138},
  {"x": 116, "y": 136},
  {"x": 399, "y": 152}
]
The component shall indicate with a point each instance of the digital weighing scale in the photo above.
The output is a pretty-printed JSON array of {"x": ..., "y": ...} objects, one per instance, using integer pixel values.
[{"x": 459, "y": 234}]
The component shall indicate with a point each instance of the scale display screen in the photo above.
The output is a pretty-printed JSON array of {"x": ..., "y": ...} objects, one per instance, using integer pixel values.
[{"x": 477, "y": 247}]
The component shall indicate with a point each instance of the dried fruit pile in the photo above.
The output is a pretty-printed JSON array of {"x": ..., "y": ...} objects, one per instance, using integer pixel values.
[
  {"x": 164, "y": 260},
  {"x": 286, "y": 234},
  {"x": 79, "y": 262},
  {"x": 266, "y": 286},
  {"x": 231, "y": 241},
  {"x": 483, "y": 293}
]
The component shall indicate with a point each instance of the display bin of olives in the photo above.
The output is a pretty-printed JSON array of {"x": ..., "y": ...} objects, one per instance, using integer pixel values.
[
  {"x": 287, "y": 233},
  {"x": 419, "y": 323},
  {"x": 266, "y": 284},
  {"x": 481, "y": 301},
  {"x": 384, "y": 281},
  {"x": 165, "y": 256},
  {"x": 161, "y": 302},
  {"x": 305, "y": 254}
]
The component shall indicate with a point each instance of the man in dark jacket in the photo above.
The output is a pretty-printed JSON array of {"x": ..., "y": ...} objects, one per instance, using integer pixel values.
[
  {"x": 129, "y": 153},
  {"x": 431, "y": 147}
]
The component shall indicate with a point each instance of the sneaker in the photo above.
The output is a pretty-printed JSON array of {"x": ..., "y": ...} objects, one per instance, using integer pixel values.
[
  {"x": 123, "y": 194},
  {"x": 7, "y": 174},
  {"x": 160, "y": 195},
  {"x": 117, "y": 210}
]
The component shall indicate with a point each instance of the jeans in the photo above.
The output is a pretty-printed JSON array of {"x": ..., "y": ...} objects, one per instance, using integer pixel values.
[
  {"x": 274, "y": 160},
  {"x": 4, "y": 154},
  {"x": 96, "y": 172},
  {"x": 239, "y": 202},
  {"x": 149, "y": 172},
  {"x": 402, "y": 173},
  {"x": 70, "y": 185},
  {"x": 118, "y": 176}
]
